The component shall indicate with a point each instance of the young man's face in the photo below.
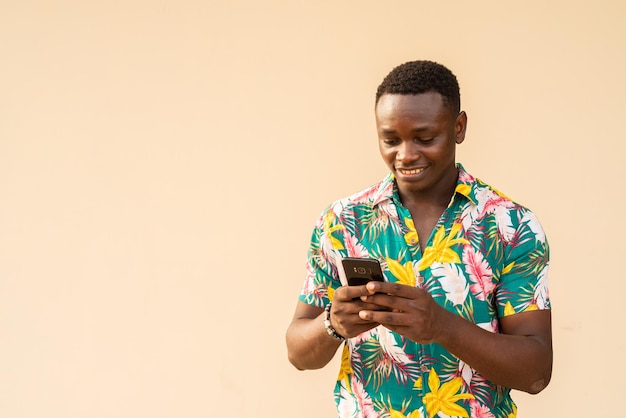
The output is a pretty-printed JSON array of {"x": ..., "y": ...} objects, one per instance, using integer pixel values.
[{"x": 417, "y": 139}]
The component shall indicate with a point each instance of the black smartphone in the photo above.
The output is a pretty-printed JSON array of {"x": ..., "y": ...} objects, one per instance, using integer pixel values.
[{"x": 359, "y": 271}]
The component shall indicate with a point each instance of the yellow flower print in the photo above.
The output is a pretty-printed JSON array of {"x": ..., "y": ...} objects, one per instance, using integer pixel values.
[
  {"x": 346, "y": 367},
  {"x": 508, "y": 309},
  {"x": 404, "y": 273},
  {"x": 463, "y": 189},
  {"x": 418, "y": 383},
  {"x": 331, "y": 293},
  {"x": 410, "y": 237},
  {"x": 441, "y": 250},
  {"x": 508, "y": 267},
  {"x": 444, "y": 398},
  {"x": 328, "y": 221},
  {"x": 398, "y": 414},
  {"x": 514, "y": 413},
  {"x": 531, "y": 307}
]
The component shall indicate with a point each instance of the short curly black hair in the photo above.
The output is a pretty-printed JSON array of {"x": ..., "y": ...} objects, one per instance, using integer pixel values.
[{"x": 416, "y": 77}]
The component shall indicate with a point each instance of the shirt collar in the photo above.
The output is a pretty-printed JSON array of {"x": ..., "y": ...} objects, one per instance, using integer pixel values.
[{"x": 466, "y": 185}]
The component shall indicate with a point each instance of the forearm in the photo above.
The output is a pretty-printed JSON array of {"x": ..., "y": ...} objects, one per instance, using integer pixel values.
[
  {"x": 522, "y": 362},
  {"x": 308, "y": 344}
]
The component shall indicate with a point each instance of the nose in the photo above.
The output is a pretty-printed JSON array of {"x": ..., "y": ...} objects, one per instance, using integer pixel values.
[{"x": 408, "y": 151}]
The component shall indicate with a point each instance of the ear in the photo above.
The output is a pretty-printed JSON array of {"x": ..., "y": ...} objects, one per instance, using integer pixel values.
[{"x": 460, "y": 125}]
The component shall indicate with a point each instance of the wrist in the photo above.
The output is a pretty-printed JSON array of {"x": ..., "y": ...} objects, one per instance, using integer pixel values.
[{"x": 328, "y": 326}]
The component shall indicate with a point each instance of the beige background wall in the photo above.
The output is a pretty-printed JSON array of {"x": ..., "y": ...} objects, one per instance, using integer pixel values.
[{"x": 162, "y": 164}]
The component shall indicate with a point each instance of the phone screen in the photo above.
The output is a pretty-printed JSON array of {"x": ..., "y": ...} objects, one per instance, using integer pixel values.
[{"x": 359, "y": 271}]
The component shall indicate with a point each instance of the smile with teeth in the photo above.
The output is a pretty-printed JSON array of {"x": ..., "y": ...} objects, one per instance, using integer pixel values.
[{"x": 410, "y": 172}]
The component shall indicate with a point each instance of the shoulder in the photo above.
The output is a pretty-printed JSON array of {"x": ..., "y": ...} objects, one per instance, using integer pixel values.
[
  {"x": 486, "y": 196},
  {"x": 489, "y": 203},
  {"x": 369, "y": 196}
]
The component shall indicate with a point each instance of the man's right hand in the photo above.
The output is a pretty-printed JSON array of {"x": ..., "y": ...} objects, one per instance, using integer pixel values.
[
  {"x": 308, "y": 344},
  {"x": 344, "y": 313}
]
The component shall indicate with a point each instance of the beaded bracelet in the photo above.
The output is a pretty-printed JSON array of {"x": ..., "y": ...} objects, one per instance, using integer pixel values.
[{"x": 329, "y": 328}]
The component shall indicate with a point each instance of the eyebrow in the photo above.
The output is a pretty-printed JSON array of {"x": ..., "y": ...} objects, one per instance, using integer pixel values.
[{"x": 416, "y": 130}]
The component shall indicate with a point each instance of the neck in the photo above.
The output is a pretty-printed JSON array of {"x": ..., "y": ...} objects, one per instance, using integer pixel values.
[{"x": 438, "y": 195}]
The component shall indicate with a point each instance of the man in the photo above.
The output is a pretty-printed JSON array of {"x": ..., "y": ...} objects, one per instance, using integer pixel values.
[{"x": 463, "y": 315}]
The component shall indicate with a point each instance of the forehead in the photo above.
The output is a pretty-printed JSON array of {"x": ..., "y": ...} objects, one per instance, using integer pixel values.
[{"x": 425, "y": 107}]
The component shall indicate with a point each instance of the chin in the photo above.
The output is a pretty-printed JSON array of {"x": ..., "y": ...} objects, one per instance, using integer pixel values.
[{"x": 412, "y": 187}]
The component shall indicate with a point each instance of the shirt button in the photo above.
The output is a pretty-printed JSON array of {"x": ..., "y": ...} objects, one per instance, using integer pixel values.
[
  {"x": 424, "y": 368},
  {"x": 413, "y": 241}
]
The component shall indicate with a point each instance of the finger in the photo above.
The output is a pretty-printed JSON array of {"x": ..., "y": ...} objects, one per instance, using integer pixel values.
[
  {"x": 353, "y": 306},
  {"x": 396, "y": 289},
  {"x": 372, "y": 307},
  {"x": 348, "y": 293},
  {"x": 385, "y": 301},
  {"x": 387, "y": 318}
]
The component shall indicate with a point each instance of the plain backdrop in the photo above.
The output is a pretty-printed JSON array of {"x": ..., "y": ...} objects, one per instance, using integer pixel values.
[{"x": 162, "y": 164}]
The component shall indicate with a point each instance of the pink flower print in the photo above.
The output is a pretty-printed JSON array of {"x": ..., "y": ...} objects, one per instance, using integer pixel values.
[
  {"x": 480, "y": 411},
  {"x": 478, "y": 272}
]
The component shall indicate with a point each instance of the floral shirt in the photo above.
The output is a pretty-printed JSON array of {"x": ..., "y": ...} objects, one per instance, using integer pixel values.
[{"x": 486, "y": 258}]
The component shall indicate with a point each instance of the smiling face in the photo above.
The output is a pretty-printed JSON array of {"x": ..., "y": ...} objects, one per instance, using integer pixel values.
[{"x": 417, "y": 139}]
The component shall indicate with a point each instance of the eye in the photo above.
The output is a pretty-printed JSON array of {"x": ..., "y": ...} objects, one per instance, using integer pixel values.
[
  {"x": 424, "y": 140},
  {"x": 390, "y": 141}
]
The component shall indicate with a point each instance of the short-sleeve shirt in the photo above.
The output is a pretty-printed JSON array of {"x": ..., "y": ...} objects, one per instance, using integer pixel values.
[{"x": 486, "y": 258}]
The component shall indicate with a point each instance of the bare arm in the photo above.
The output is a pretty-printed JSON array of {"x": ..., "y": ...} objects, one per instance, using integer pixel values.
[
  {"x": 308, "y": 344},
  {"x": 520, "y": 357}
]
